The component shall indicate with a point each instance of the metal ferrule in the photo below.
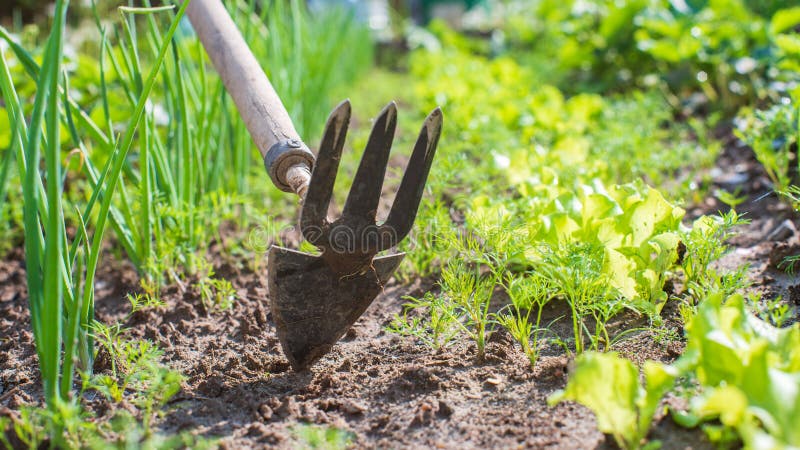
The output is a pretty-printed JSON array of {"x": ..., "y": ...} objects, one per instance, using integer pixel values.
[{"x": 285, "y": 160}]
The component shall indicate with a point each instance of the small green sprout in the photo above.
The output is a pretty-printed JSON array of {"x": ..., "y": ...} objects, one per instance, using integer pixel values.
[
  {"x": 142, "y": 302},
  {"x": 732, "y": 199},
  {"x": 529, "y": 294},
  {"x": 214, "y": 292},
  {"x": 470, "y": 294},
  {"x": 435, "y": 325},
  {"x": 308, "y": 437}
]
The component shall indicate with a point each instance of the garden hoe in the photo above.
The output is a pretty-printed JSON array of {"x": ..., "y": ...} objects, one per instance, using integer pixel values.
[{"x": 316, "y": 299}]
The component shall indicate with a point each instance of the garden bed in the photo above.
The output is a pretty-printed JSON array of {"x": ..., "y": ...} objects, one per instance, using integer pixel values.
[{"x": 379, "y": 389}]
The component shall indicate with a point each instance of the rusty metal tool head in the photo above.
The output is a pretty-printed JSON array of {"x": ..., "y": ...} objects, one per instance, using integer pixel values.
[{"x": 316, "y": 299}]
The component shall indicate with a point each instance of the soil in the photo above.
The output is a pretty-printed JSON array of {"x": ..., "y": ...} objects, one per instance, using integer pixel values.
[{"x": 388, "y": 391}]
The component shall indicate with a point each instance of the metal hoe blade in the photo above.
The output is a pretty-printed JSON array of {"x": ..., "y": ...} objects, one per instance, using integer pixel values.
[{"x": 316, "y": 299}]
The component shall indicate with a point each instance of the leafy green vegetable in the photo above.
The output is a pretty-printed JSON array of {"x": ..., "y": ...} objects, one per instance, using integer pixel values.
[
  {"x": 634, "y": 224},
  {"x": 609, "y": 386},
  {"x": 749, "y": 372},
  {"x": 721, "y": 49}
]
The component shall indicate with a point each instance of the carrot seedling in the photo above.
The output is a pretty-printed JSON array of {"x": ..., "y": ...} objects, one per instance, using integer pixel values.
[
  {"x": 430, "y": 319},
  {"x": 469, "y": 295},
  {"x": 529, "y": 293}
]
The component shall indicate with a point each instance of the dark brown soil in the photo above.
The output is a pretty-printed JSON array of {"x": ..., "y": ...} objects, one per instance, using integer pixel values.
[{"x": 388, "y": 391}]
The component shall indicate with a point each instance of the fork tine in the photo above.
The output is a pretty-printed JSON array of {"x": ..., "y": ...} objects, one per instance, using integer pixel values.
[
  {"x": 320, "y": 188},
  {"x": 406, "y": 202},
  {"x": 365, "y": 194}
]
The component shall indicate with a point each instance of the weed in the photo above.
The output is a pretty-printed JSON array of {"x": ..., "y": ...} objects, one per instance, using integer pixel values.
[
  {"x": 321, "y": 437},
  {"x": 126, "y": 432},
  {"x": 665, "y": 335},
  {"x": 136, "y": 373},
  {"x": 142, "y": 302},
  {"x": 732, "y": 199},
  {"x": 109, "y": 338},
  {"x": 214, "y": 292},
  {"x": 123, "y": 430},
  {"x": 34, "y": 426},
  {"x": 775, "y": 311}
]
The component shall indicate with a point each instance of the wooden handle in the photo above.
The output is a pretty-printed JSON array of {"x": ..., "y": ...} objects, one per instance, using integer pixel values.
[{"x": 259, "y": 105}]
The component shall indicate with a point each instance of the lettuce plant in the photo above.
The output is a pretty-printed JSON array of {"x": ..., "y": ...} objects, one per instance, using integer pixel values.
[
  {"x": 748, "y": 372},
  {"x": 609, "y": 386}
]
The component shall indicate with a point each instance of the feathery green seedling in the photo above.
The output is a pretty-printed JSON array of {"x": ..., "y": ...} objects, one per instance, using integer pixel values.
[
  {"x": 142, "y": 302},
  {"x": 33, "y": 426},
  {"x": 529, "y": 293},
  {"x": 576, "y": 272},
  {"x": 434, "y": 323},
  {"x": 705, "y": 243},
  {"x": 469, "y": 294},
  {"x": 214, "y": 292},
  {"x": 775, "y": 311},
  {"x": 137, "y": 375}
]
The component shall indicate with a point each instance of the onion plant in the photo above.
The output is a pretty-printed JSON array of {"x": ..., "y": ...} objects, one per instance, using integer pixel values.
[
  {"x": 5, "y": 168},
  {"x": 60, "y": 273},
  {"x": 192, "y": 155},
  {"x": 193, "y": 149},
  {"x": 6, "y": 161}
]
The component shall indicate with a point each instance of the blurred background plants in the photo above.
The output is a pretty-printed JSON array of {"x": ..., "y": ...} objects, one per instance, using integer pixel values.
[{"x": 709, "y": 54}]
